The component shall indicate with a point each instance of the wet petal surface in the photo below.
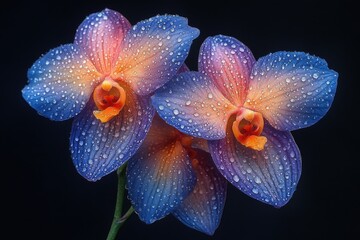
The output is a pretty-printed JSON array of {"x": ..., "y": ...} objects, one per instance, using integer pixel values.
[
  {"x": 159, "y": 177},
  {"x": 292, "y": 90},
  {"x": 228, "y": 62},
  {"x": 100, "y": 148},
  {"x": 202, "y": 209},
  {"x": 270, "y": 175},
  {"x": 153, "y": 51},
  {"x": 192, "y": 104},
  {"x": 60, "y": 83},
  {"x": 100, "y": 36}
]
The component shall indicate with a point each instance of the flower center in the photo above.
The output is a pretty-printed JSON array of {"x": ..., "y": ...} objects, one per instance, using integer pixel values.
[
  {"x": 186, "y": 141},
  {"x": 110, "y": 98},
  {"x": 247, "y": 129}
]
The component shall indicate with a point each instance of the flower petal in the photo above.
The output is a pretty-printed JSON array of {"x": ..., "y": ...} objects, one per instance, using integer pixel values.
[
  {"x": 60, "y": 83},
  {"x": 100, "y": 36},
  {"x": 270, "y": 175},
  {"x": 202, "y": 209},
  {"x": 192, "y": 104},
  {"x": 153, "y": 51},
  {"x": 100, "y": 148},
  {"x": 292, "y": 90},
  {"x": 159, "y": 176},
  {"x": 228, "y": 63}
]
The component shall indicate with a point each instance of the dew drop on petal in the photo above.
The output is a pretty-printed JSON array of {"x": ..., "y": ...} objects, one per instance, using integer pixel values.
[{"x": 236, "y": 178}]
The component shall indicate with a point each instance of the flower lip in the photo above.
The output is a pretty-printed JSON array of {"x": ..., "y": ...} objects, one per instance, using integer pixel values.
[
  {"x": 247, "y": 128},
  {"x": 110, "y": 98}
]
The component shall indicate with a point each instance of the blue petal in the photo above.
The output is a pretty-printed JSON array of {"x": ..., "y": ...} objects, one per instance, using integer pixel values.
[
  {"x": 100, "y": 148},
  {"x": 270, "y": 175},
  {"x": 202, "y": 209},
  {"x": 153, "y": 51},
  {"x": 60, "y": 83},
  {"x": 191, "y": 103},
  {"x": 292, "y": 90},
  {"x": 159, "y": 177}
]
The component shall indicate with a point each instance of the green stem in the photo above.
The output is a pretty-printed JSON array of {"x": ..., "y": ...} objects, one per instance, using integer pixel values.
[
  {"x": 123, "y": 219},
  {"x": 116, "y": 223}
]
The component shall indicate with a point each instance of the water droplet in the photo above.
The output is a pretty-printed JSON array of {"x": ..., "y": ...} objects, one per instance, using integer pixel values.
[
  {"x": 315, "y": 75},
  {"x": 176, "y": 112},
  {"x": 236, "y": 178},
  {"x": 232, "y": 159},
  {"x": 188, "y": 103},
  {"x": 210, "y": 95},
  {"x": 255, "y": 190},
  {"x": 257, "y": 180},
  {"x": 161, "y": 107},
  {"x": 241, "y": 49},
  {"x": 288, "y": 80}
]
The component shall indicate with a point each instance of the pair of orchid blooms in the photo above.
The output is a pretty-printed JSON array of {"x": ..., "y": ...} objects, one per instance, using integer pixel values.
[{"x": 183, "y": 134}]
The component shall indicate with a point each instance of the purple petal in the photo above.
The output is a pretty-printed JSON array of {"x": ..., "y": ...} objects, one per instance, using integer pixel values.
[
  {"x": 292, "y": 90},
  {"x": 191, "y": 103},
  {"x": 100, "y": 148},
  {"x": 270, "y": 175},
  {"x": 228, "y": 62},
  {"x": 60, "y": 83},
  {"x": 160, "y": 175},
  {"x": 153, "y": 51},
  {"x": 100, "y": 36},
  {"x": 202, "y": 209}
]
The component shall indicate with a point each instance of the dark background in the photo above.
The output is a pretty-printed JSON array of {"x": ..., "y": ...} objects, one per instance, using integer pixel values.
[{"x": 44, "y": 196}]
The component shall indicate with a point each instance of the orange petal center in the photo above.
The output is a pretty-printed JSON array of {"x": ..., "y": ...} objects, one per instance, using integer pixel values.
[
  {"x": 110, "y": 98},
  {"x": 247, "y": 129}
]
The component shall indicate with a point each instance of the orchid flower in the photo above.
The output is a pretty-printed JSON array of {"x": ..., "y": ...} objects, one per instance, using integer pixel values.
[
  {"x": 247, "y": 108},
  {"x": 104, "y": 80},
  {"x": 171, "y": 173}
]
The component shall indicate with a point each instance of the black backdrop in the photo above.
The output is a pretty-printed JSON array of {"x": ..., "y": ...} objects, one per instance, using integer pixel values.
[{"x": 46, "y": 199}]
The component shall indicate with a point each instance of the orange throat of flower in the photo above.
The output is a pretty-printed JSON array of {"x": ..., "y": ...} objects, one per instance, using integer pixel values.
[
  {"x": 247, "y": 129},
  {"x": 109, "y": 98},
  {"x": 186, "y": 141}
]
